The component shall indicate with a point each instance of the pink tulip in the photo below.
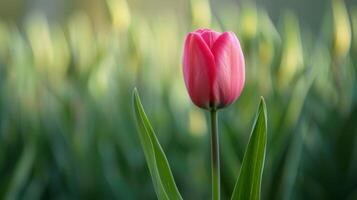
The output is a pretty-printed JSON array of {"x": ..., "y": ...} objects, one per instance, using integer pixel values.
[{"x": 213, "y": 68}]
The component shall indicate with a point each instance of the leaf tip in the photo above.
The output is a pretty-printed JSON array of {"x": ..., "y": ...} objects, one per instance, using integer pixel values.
[
  {"x": 263, "y": 108},
  {"x": 135, "y": 94},
  {"x": 262, "y": 101},
  {"x": 135, "y": 91},
  {"x": 136, "y": 99}
]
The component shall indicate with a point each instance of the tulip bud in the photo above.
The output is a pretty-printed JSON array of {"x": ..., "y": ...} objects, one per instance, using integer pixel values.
[
  {"x": 120, "y": 13},
  {"x": 342, "y": 29},
  {"x": 213, "y": 68},
  {"x": 201, "y": 12}
]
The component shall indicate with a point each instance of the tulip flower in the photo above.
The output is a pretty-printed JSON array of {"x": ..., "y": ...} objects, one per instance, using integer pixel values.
[
  {"x": 214, "y": 73},
  {"x": 213, "y": 68}
]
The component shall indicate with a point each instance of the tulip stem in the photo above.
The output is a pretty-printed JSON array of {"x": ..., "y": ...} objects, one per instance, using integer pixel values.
[{"x": 215, "y": 156}]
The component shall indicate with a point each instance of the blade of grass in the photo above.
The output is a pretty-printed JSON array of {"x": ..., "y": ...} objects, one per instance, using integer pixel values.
[
  {"x": 248, "y": 184},
  {"x": 22, "y": 171},
  {"x": 159, "y": 168}
]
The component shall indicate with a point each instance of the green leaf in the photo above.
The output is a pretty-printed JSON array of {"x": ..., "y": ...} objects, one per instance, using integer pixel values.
[
  {"x": 22, "y": 171},
  {"x": 159, "y": 168},
  {"x": 249, "y": 180}
]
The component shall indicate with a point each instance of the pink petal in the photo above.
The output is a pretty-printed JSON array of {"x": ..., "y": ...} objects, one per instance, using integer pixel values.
[
  {"x": 201, "y": 30},
  {"x": 210, "y": 37},
  {"x": 198, "y": 69},
  {"x": 230, "y": 68}
]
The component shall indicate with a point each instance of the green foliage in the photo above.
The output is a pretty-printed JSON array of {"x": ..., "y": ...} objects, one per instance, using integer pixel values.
[
  {"x": 248, "y": 184},
  {"x": 67, "y": 132},
  {"x": 155, "y": 157}
]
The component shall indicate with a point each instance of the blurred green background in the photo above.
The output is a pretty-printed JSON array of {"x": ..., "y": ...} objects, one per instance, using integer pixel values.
[{"x": 68, "y": 68}]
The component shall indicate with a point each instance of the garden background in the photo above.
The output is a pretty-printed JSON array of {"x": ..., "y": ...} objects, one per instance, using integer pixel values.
[{"x": 68, "y": 69}]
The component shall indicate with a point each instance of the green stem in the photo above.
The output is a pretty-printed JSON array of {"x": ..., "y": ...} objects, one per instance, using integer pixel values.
[{"x": 215, "y": 157}]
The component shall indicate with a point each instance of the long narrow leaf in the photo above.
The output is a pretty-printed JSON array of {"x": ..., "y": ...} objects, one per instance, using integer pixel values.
[
  {"x": 249, "y": 180},
  {"x": 159, "y": 168}
]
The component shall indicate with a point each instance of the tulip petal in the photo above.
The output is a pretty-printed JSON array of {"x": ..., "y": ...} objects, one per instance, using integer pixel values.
[
  {"x": 198, "y": 63},
  {"x": 201, "y": 30},
  {"x": 230, "y": 68},
  {"x": 210, "y": 37}
]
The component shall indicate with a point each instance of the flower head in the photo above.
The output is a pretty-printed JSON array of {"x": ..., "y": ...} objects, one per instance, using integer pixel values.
[{"x": 213, "y": 68}]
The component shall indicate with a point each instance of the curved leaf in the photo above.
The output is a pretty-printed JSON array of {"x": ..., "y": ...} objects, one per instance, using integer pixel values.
[
  {"x": 249, "y": 180},
  {"x": 159, "y": 168}
]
